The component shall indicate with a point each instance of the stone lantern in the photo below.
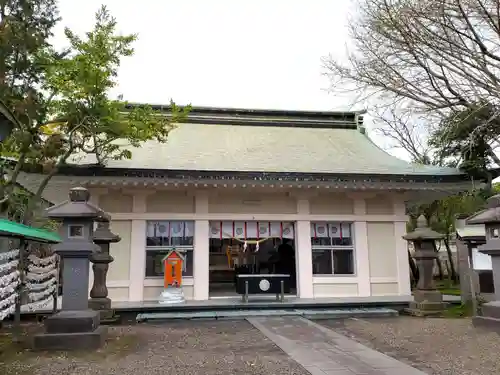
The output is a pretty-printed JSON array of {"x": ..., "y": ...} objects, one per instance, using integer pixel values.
[
  {"x": 490, "y": 217},
  {"x": 75, "y": 326},
  {"x": 428, "y": 300},
  {"x": 103, "y": 237}
]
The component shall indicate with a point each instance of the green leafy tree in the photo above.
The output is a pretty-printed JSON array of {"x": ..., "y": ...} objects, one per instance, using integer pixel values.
[
  {"x": 25, "y": 28},
  {"x": 83, "y": 118},
  {"x": 470, "y": 138},
  {"x": 428, "y": 66},
  {"x": 442, "y": 213}
]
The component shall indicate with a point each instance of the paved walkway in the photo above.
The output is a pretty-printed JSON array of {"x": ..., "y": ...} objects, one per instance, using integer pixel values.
[{"x": 321, "y": 351}]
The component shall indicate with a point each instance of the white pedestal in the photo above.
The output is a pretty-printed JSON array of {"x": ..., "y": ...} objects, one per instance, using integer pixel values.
[{"x": 171, "y": 296}]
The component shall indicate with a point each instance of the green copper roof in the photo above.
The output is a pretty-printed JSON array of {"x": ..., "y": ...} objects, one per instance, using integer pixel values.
[
  {"x": 15, "y": 230},
  {"x": 269, "y": 148}
]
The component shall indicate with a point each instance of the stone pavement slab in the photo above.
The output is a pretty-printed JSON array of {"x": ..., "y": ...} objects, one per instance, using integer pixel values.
[{"x": 322, "y": 351}]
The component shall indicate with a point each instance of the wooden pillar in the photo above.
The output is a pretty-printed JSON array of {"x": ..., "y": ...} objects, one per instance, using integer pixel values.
[{"x": 303, "y": 251}]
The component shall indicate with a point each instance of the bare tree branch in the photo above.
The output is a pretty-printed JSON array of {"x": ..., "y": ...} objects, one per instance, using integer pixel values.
[
  {"x": 437, "y": 54},
  {"x": 420, "y": 62}
]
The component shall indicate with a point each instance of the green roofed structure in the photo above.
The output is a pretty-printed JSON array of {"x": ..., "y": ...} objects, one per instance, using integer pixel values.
[
  {"x": 15, "y": 230},
  {"x": 232, "y": 185}
]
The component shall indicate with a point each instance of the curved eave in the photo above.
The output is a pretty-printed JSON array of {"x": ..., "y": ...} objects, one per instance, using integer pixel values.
[
  {"x": 190, "y": 175},
  {"x": 419, "y": 191},
  {"x": 131, "y": 182}
]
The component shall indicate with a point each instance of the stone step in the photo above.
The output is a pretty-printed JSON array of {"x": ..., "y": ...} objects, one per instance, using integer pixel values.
[
  {"x": 486, "y": 322},
  {"x": 348, "y": 313},
  {"x": 313, "y": 314},
  {"x": 111, "y": 321}
]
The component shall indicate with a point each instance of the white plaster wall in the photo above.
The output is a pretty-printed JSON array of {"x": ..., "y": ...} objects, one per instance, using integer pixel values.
[
  {"x": 249, "y": 203},
  {"x": 332, "y": 204},
  {"x": 382, "y": 250},
  {"x": 118, "y": 294},
  {"x": 384, "y": 289},
  {"x": 118, "y": 277},
  {"x": 115, "y": 201},
  {"x": 119, "y": 270},
  {"x": 380, "y": 261},
  {"x": 335, "y": 290},
  {"x": 170, "y": 201},
  {"x": 375, "y": 241},
  {"x": 380, "y": 204}
]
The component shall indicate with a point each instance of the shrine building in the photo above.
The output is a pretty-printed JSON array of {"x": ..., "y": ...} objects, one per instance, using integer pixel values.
[{"x": 233, "y": 186}]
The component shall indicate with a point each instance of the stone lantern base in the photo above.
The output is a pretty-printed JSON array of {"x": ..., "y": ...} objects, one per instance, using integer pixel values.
[
  {"x": 427, "y": 303},
  {"x": 103, "y": 306},
  {"x": 100, "y": 303},
  {"x": 71, "y": 330},
  {"x": 490, "y": 316}
]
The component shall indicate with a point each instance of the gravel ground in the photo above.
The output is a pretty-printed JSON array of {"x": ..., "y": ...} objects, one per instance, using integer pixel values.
[
  {"x": 184, "y": 347},
  {"x": 436, "y": 346}
]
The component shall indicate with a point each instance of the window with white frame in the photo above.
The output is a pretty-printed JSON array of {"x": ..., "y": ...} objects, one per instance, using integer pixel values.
[
  {"x": 164, "y": 236},
  {"x": 332, "y": 248}
]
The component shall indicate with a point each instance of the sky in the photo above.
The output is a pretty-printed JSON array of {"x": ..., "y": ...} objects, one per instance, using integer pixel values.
[{"x": 224, "y": 53}]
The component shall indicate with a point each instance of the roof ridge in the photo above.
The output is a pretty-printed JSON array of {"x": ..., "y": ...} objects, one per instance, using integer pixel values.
[{"x": 264, "y": 117}]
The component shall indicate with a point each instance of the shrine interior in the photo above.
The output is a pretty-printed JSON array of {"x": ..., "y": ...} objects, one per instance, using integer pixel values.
[{"x": 249, "y": 248}]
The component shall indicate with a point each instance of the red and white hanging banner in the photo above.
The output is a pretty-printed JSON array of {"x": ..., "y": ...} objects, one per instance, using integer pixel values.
[
  {"x": 264, "y": 229},
  {"x": 216, "y": 229},
  {"x": 162, "y": 229},
  {"x": 288, "y": 231},
  {"x": 275, "y": 229},
  {"x": 345, "y": 229},
  {"x": 251, "y": 229},
  {"x": 227, "y": 229},
  {"x": 152, "y": 229},
  {"x": 239, "y": 229},
  {"x": 334, "y": 229},
  {"x": 176, "y": 229},
  {"x": 188, "y": 229},
  {"x": 319, "y": 230},
  {"x": 314, "y": 233},
  {"x": 339, "y": 230}
]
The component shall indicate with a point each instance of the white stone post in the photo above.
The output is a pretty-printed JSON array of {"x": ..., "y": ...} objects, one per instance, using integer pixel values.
[
  {"x": 361, "y": 251},
  {"x": 201, "y": 248},
  {"x": 303, "y": 251}
]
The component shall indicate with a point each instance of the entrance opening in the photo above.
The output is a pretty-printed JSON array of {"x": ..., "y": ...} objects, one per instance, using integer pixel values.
[{"x": 249, "y": 247}]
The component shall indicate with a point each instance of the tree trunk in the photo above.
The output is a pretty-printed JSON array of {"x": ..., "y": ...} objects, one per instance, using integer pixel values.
[
  {"x": 453, "y": 272},
  {"x": 438, "y": 262},
  {"x": 413, "y": 268}
]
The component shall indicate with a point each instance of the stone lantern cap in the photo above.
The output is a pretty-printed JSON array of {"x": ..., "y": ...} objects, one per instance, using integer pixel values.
[
  {"x": 422, "y": 232},
  {"x": 77, "y": 206},
  {"x": 103, "y": 234},
  {"x": 490, "y": 215}
]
